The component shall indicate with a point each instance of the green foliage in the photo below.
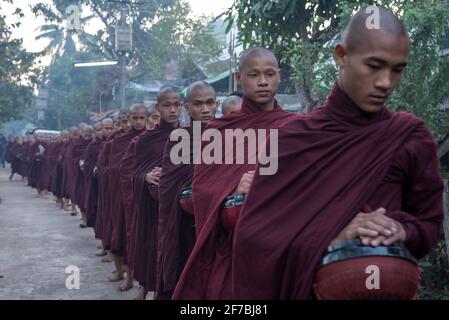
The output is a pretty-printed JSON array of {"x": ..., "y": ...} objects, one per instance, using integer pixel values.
[
  {"x": 16, "y": 74},
  {"x": 303, "y": 34},
  {"x": 425, "y": 86},
  {"x": 435, "y": 274}
]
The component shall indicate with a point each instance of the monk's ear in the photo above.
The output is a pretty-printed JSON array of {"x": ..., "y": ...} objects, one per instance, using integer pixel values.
[
  {"x": 157, "y": 108},
  {"x": 340, "y": 53},
  {"x": 238, "y": 77}
]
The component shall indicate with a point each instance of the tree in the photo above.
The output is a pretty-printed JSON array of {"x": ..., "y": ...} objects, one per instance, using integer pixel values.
[
  {"x": 16, "y": 73},
  {"x": 302, "y": 34},
  {"x": 60, "y": 35}
]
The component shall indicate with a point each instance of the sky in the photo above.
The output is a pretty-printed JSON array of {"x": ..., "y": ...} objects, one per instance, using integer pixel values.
[{"x": 27, "y": 31}]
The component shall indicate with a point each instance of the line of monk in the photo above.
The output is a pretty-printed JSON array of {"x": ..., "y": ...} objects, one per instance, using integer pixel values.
[{"x": 350, "y": 154}]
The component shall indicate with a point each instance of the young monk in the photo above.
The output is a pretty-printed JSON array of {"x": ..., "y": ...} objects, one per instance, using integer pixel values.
[
  {"x": 142, "y": 249},
  {"x": 176, "y": 232},
  {"x": 351, "y": 169},
  {"x": 231, "y": 104},
  {"x": 79, "y": 187},
  {"x": 103, "y": 224},
  {"x": 206, "y": 274},
  {"x": 138, "y": 117},
  {"x": 153, "y": 119}
]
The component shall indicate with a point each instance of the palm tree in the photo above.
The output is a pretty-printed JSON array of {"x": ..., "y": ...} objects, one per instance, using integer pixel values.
[{"x": 62, "y": 39}]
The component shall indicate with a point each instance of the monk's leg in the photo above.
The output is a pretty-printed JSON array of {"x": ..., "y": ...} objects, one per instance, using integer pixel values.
[
  {"x": 129, "y": 281},
  {"x": 108, "y": 257},
  {"x": 142, "y": 293},
  {"x": 118, "y": 261},
  {"x": 83, "y": 220}
]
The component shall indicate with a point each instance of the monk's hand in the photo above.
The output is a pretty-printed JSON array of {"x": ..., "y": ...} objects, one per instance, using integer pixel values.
[
  {"x": 399, "y": 235},
  {"x": 245, "y": 183},
  {"x": 373, "y": 228},
  {"x": 154, "y": 176}
]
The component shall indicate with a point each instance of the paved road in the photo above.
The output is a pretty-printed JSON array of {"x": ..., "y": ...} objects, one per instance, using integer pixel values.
[{"x": 38, "y": 242}]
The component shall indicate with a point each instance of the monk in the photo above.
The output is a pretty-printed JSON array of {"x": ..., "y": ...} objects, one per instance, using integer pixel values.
[
  {"x": 78, "y": 159},
  {"x": 138, "y": 117},
  {"x": 176, "y": 232},
  {"x": 154, "y": 118},
  {"x": 37, "y": 156},
  {"x": 16, "y": 156},
  {"x": 58, "y": 169},
  {"x": 68, "y": 172},
  {"x": 102, "y": 225},
  {"x": 207, "y": 271},
  {"x": 142, "y": 249},
  {"x": 231, "y": 104},
  {"x": 93, "y": 215},
  {"x": 90, "y": 179},
  {"x": 351, "y": 169}
]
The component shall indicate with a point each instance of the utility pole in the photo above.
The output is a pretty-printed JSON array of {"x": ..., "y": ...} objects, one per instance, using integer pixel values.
[
  {"x": 231, "y": 57},
  {"x": 123, "y": 45}
]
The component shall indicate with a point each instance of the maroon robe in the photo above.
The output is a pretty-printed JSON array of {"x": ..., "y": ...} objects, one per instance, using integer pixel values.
[
  {"x": 55, "y": 175},
  {"x": 15, "y": 152},
  {"x": 126, "y": 167},
  {"x": 67, "y": 180},
  {"x": 206, "y": 274},
  {"x": 118, "y": 224},
  {"x": 58, "y": 176},
  {"x": 37, "y": 164},
  {"x": 332, "y": 163},
  {"x": 176, "y": 230},
  {"x": 149, "y": 151},
  {"x": 91, "y": 180},
  {"x": 79, "y": 187},
  {"x": 102, "y": 224}
]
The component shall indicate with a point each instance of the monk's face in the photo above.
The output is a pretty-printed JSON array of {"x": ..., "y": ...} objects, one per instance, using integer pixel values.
[
  {"x": 76, "y": 134},
  {"x": 369, "y": 74},
  {"x": 169, "y": 106},
  {"x": 202, "y": 105},
  {"x": 108, "y": 129},
  {"x": 259, "y": 78},
  {"x": 124, "y": 121},
  {"x": 154, "y": 119},
  {"x": 86, "y": 134},
  {"x": 99, "y": 131},
  {"x": 138, "y": 118}
]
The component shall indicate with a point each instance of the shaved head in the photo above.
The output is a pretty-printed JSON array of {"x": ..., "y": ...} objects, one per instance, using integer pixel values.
[
  {"x": 107, "y": 121},
  {"x": 164, "y": 91},
  {"x": 231, "y": 104},
  {"x": 256, "y": 52},
  {"x": 357, "y": 31},
  {"x": 198, "y": 86},
  {"x": 138, "y": 108}
]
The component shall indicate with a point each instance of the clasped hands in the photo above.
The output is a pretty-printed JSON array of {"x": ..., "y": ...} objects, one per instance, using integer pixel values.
[{"x": 373, "y": 228}]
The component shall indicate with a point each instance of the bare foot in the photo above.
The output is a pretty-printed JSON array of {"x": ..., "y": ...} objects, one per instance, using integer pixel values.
[
  {"x": 101, "y": 253},
  {"x": 125, "y": 287},
  {"x": 107, "y": 259},
  {"x": 116, "y": 278},
  {"x": 141, "y": 294}
]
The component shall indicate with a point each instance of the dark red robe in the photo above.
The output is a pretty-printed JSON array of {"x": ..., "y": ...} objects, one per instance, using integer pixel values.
[
  {"x": 332, "y": 163},
  {"x": 91, "y": 180},
  {"x": 79, "y": 187},
  {"x": 206, "y": 274},
  {"x": 149, "y": 152},
  {"x": 176, "y": 230},
  {"x": 102, "y": 224},
  {"x": 118, "y": 222}
]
